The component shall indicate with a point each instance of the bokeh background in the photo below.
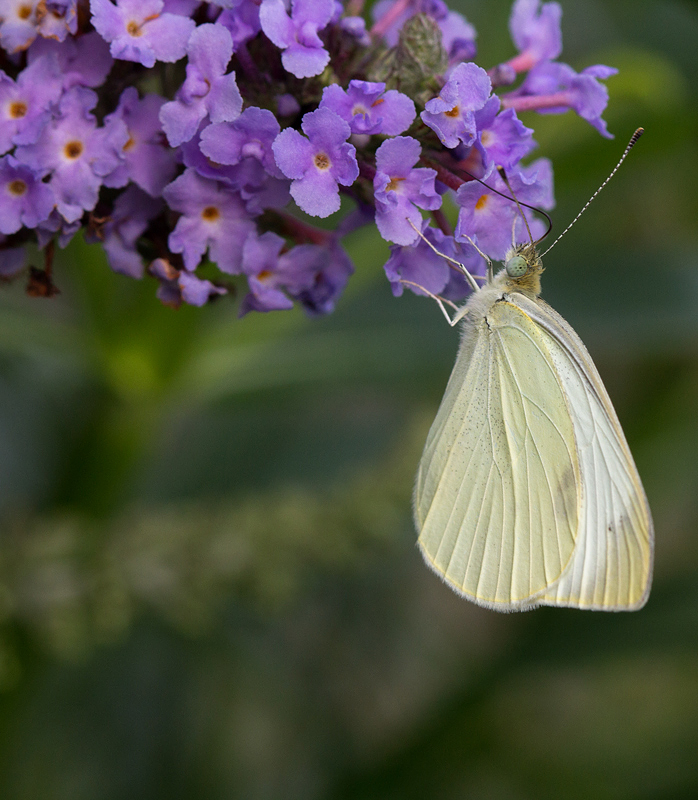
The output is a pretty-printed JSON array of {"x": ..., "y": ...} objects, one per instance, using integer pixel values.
[{"x": 209, "y": 586}]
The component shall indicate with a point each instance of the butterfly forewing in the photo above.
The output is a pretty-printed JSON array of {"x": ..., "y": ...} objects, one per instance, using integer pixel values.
[
  {"x": 612, "y": 563},
  {"x": 498, "y": 488}
]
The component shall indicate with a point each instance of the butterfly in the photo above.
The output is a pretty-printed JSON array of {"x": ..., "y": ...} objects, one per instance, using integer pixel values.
[{"x": 527, "y": 493}]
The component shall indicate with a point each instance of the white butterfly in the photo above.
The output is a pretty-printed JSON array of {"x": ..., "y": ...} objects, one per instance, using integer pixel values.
[{"x": 527, "y": 493}]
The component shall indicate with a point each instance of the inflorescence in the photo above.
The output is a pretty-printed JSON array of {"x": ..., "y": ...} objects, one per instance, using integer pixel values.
[{"x": 172, "y": 131}]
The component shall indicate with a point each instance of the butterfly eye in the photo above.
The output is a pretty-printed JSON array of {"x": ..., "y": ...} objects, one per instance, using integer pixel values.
[{"x": 516, "y": 267}]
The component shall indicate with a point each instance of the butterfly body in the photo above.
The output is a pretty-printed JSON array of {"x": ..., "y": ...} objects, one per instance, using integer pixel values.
[{"x": 527, "y": 493}]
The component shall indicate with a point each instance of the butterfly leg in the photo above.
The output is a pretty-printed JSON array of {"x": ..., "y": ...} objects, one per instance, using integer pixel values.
[
  {"x": 460, "y": 312},
  {"x": 461, "y": 268}
]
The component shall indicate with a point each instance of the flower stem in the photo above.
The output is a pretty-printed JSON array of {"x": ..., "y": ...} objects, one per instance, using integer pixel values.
[{"x": 535, "y": 102}]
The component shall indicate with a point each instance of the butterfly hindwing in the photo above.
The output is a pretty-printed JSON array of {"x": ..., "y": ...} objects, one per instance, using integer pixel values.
[{"x": 612, "y": 564}]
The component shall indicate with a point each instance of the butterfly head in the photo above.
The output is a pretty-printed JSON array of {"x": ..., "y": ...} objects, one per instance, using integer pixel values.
[{"x": 522, "y": 269}]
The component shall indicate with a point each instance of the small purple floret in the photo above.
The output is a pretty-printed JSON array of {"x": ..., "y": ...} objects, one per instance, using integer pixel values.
[
  {"x": 132, "y": 213},
  {"x": 250, "y": 136},
  {"x": 147, "y": 161},
  {"x": 318, "y": 163},
  {"x": 213, "y": 218},
  {"x": 451, "y": 114},
  {"x": 24, "y": 200},
  {"x": 369, "y": 109},
  {"x": 76, "y": 153},
  {"x": 553, "y": 88},
  {"x": 25, "y": 105},
  {"x": 304, "y": 54},
  {"x": 139, "y": 30},
  {"x": 400, "y": 191},
  {"x": 207, "y": 90},
  {"x": 535, "y": 31}
]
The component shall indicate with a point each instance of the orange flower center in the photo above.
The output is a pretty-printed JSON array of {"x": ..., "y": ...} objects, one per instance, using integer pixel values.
[
  {"x": 210, "y": 213},
  {"x": 73, "y": 150},
  {"x": 18, "y": 109},
  {"x": 322, "y": 161},
  {"x": 17, "y": 188}
]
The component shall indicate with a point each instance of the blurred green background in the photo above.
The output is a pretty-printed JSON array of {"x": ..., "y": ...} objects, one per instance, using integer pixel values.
[{"x": 209, "y": 585}]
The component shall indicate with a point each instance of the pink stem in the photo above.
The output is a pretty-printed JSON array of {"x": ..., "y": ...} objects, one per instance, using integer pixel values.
[
  {"x": 389, "y": 17},
  {"x": 535, "y": 102}
]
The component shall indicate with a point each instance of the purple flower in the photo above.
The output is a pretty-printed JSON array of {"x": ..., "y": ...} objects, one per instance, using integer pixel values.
[
  {"x": 24, "y": 200},
  {"x": 147, "y": 161},
  {"x": 197, "y": 291},
  {"x": 458, "y": 37},
  {"x": 25, "y": 106},
  {"x": 207, "y": 90},
  {"x": 287, "y": 105},
  {"x": 177, "y": 286},
  {"x": 419, "y": 264},
  {"x": 140, "y": 31},
  {"x": 317, "y": 164},
  {"x": 132, "y": 213},
  {"x": 56, "y": 224},
  {"x": 331, "y": 268},
  {"x": 506, "y": 140},
  {"x": 502, "y": 139},
  {"x": 401, "y": 190},
  {"x": 313, "y": 274},
  {"x": 368, "y": 108},
  {"x": 553, "y": 88},
  {"x": 76, "y": 153},
  {"x": 213, "y": 218},
  {"x": 84, "y": 61},
  {"x": 303, "y": 52},
  {"x": 250, "y": 136},
  {"x": 356, "y": 28},
  {"x": 57, "y": 18},
  {"x": 241, "y": 18},
  {"x": 256, "y": 187},
  {"x": 451, "y": 114},
  {"x": 18, "y": 20},
  {"x": 265, "y": 275},
  {"x": 536, "y": 33},
  {"x": 488, "y": 218}
]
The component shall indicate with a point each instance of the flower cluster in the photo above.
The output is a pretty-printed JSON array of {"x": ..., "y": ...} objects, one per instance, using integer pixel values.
[{"x": 180, "y": 132}]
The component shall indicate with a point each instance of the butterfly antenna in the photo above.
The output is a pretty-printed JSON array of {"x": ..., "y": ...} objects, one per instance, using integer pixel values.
[
  {"x": 633, "y": 139},
  {"x": 507, "y": 197}
]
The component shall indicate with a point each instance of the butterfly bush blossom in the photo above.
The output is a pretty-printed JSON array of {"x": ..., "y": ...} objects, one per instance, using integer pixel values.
[{"x": 185, "y": 136}]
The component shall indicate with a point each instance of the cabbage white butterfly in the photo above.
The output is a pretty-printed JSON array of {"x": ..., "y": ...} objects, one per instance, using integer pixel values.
[{"x": 527, "y": 493}]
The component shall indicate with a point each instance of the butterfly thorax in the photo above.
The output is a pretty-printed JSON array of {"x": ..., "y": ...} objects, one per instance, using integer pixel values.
[{"x": 523, "y": 259}]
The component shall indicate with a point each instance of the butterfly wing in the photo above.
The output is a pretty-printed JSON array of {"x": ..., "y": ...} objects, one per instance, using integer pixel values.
[
  {"x": 612, "y": 564},
  {"x": 498, "y": 489}
]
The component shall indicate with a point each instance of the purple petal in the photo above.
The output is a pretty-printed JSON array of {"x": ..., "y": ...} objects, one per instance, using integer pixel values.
[
  {"x": 317, "y": 194},
  {"x": 396, "y": 157},
  {"x": 305, "y": 62},
  {"x": 224, "y": 100},
  {"x": 276, "y": 22},
  {"x": 210, "y": 48},
  {"x": 293, "y": 153}
]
